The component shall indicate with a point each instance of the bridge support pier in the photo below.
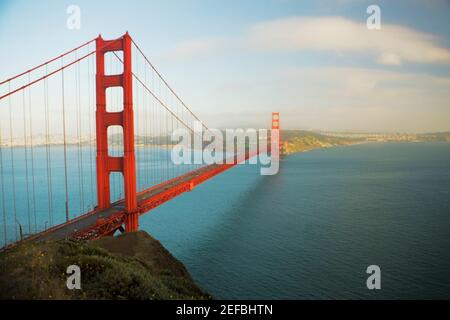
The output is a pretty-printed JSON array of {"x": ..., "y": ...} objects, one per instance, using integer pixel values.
[{"x": 125, "y": 118}]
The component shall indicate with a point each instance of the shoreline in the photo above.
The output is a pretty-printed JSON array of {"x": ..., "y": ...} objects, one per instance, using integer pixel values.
[{"x": 355, "y": 144}]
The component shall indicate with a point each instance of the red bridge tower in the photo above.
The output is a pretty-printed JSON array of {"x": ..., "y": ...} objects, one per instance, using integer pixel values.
[
  {"x": 105, "y": 163},
  {"x": 276, "y": 126}
]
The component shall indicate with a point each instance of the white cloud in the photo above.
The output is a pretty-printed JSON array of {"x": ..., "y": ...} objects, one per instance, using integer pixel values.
[
  {"x": 389, "y": 59},
  {"x": 330, "y": 98},
  {"x": 364, "y": 99},
  {"x": 392, "y": 45},
  {"x": 320, "y": 97},
  {"x": 198, "y": 48}
]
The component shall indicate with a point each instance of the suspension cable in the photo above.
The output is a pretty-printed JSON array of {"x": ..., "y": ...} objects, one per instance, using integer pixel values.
[
  {"x": 30, "y": 129},
  {"x": 155, "y": 97},
  {"x": 48, "y": 155},
  {"x": 168, "y": 86},
  {"x": 27, "y": 178},
  {"x": 90, "y": 115},
  {"x": 11, "y": 149},
  {"x": 46, "y": 75},
  {"x": 66, "y": 185},
  {"x": 145, "y": 111},
  {"x": 78, "y": 124},
  {"x": 46, "y": 63},
  {"x": 138, "y": 173},
  {"x": 3, "y": 188},
  {"x": 106, "y": 45},
  {"x": 167, "y": 144}
]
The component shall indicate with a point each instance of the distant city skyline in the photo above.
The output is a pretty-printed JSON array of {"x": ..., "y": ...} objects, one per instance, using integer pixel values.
[{"x": 235, "y": 62}]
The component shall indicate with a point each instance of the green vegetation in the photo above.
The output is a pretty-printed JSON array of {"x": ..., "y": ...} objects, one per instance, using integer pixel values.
[
  {"x": 299, "y": 141},
  {"x": 131, "y": 266}
]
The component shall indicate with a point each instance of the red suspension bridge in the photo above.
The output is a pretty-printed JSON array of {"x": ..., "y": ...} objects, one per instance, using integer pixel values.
[{"x": 64, "y": 175}]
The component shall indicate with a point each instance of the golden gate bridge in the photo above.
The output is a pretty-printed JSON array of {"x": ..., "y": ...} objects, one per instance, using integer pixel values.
[{"x": 64, "y": 175}]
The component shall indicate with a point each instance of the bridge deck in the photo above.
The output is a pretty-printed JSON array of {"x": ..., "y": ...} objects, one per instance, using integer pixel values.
[{"x": 100, "y": 222}]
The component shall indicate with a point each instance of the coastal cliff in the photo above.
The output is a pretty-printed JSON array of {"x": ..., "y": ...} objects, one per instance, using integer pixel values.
[{"x": 130, "y": 266}]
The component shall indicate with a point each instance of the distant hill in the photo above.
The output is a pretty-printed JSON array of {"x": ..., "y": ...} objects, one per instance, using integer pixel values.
[
  {"x": 300, "y": 140},
  {"x": 438, "y": 136}
]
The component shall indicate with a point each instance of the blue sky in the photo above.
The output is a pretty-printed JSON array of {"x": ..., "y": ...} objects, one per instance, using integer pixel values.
[{"x": 234, "y": 62}]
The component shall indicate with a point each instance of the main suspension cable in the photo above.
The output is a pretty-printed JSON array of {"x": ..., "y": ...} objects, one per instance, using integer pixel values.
[
  {"x": 155, "y": 97},
  {"x": 46, "y": 63},
  {"x": 167, "y": 84},
  {"x": 46, "y": 76}
]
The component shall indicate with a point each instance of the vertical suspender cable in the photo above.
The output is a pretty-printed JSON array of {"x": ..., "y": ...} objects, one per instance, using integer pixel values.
[
  {"x": 47, "y": 150},
  {"x": 80, "y": 154},
  {"x": 147, "y": 168},
  {"x": 161, "y": 130},
  {"x": 77, "y": 112},
  {"x": 90, "y": 115},
  {"x": 27, "y": 178},
  {"x": 167, "y": 85},
  {"x": 80, "y": 141},
  {"x": 65, "y": 143},
  {"x": 167, "y": 143},
  {"x": 152, "y": 134},
  {"x": 171, "y": 145},
  {"x": 93, "y": 141},
  {"x": 78, "y": 134},
  {"x": 33, "y": 186},
  {"x": 3, "y": 189},
  {"x": 136, "y": 108},
  {"x": 161, "y": 163},
  {"x": 176, "y": 127},
  {"x": 11, "y": 148}
]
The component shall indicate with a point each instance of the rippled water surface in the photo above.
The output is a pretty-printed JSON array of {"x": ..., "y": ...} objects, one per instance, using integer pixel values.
[{"x": 312, "y": 230}]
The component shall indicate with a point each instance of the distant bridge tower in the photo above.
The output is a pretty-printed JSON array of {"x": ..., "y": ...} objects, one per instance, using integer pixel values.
[
  {"x": 105, "y": 163},
  {"x": 276, "y": 126}
]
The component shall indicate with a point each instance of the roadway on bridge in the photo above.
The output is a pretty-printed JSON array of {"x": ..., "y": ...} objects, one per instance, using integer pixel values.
[{"x": 87, "y": 221}]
